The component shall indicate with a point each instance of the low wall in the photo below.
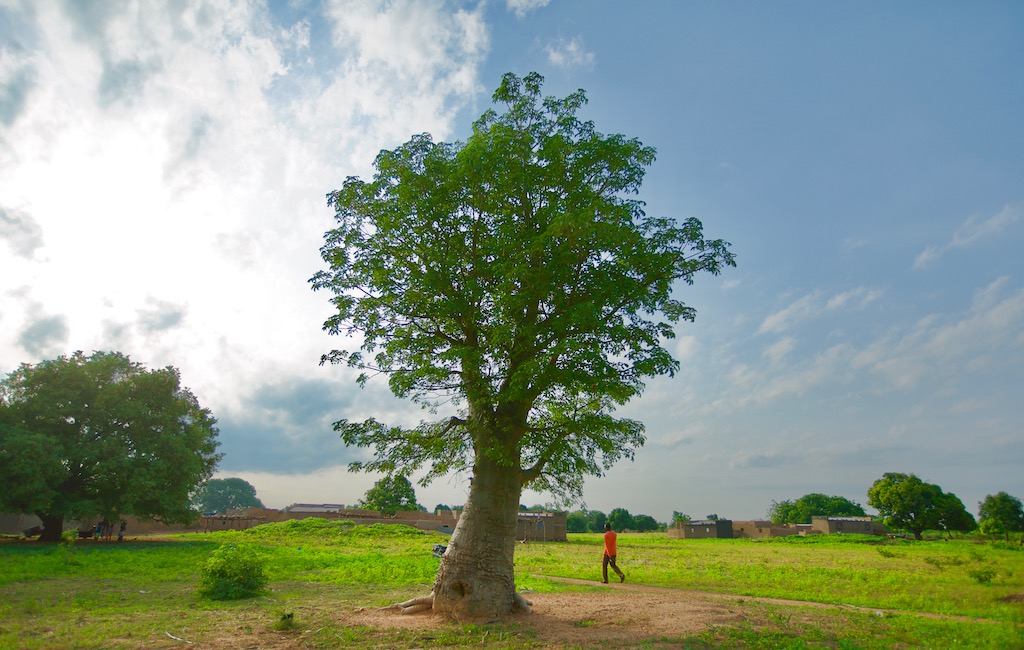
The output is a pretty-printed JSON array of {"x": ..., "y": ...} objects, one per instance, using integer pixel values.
[{"x": 532, "y": 526}]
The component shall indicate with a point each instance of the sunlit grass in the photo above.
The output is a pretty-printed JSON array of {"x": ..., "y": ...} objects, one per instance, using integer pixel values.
[
  {"x": 130, "y": 595},
  {"x": 938, "y": 577}
]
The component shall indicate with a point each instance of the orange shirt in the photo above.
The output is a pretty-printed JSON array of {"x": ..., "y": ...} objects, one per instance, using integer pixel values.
[{"x": 609, "y": 543}]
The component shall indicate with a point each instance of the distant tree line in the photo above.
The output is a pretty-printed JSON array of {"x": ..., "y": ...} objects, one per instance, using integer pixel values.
[{"x": 906, "y": 503}]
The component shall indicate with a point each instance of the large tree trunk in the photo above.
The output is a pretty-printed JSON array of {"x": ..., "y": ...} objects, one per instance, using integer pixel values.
[
  {"x": 476, "y": 578},
  {"x": 52, "y": 528}
]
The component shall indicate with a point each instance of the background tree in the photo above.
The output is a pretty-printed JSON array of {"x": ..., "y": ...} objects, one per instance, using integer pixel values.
[
  {"x": 815, "y": 504},
  {"x": 1001, "y": 514},
  {"x": 576, "y": 522},
  {"x": 781, "y": 511},
  {"x": 645, "y": 523},
  {"x": 905, "y": 502},
  {"x": 391, "y": 494},
  {"x": 219, "y": 495},
  {"x": 101, "y": 436},
  {"x": 712, "y": 517},
  {"x": 515, "y": 274},
  {"x": 596, "y": 521},
  {"x": 954, "y": 516},
  {"x": 680, "y": 517},
  {"x": 620, "y": 519}
]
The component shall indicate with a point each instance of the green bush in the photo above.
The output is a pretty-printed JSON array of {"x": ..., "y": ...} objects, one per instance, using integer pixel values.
[{"x": 232, "y": 572}]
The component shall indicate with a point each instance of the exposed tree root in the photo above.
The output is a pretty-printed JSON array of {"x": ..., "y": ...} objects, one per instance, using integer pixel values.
[
  {"x": 521, "y": 602},
  {"x": 424, "y": 603},
  {"x": 414, "y": 605}
]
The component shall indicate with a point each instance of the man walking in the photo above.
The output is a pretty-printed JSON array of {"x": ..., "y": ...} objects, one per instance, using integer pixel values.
[{"x": 609, "y": 555}]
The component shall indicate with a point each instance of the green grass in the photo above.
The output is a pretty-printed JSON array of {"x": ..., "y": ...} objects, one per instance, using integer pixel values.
[
  {"x": 940, "y": 577},
  {"x": 141, "y": 594}
]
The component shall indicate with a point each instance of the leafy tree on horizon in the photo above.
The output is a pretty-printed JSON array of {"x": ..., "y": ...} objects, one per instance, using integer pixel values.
[
  {"x": 905, "y": 502},
  {"x": 576, "y": 522},
  {"x": 514, "y": 279},
  {"x": 645, "y": 523},
  {"x": 222, "y": 494},
  {"x": 620, "y": 519},
  {"x": 101, "y": 436},
  {"x": 390, "y": 495},
  {"x": 815, "y": 504},
  {"x": 680, "y": 517},
  {"x": 596, "y": 521},
  {"x": 1001, "y": 514}
]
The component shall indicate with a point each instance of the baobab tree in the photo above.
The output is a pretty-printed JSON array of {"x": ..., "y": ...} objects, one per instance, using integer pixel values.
[{"x": 516, "y": 276}]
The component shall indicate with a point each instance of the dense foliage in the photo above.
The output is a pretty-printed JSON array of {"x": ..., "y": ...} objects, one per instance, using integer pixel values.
[
  {"x": 812, "y": 505},
  {"x": 391, "y": 494},
  {"x": 905, "y": 502},
  {"x": 218, "y": 495},
  {"x": 232, "y": 572},
  {"x": 101, "y": 436},
  {"x": 1001, "y": 514},
  {"x": 515, "y": 274}
]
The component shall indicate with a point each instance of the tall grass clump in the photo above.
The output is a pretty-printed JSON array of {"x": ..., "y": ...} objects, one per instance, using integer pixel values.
[{"x": 233, "y": 572}]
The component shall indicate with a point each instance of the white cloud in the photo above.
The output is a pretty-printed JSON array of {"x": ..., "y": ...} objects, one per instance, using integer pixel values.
[
  {"x": 947, "y": 348},
  {"x": 686, "y": 348},
  {"x": 857, "y": 298},
  {"x": 523, "y": 7},
  {"x": 809, "y": 306},
  {"x": 170, "y": 200},
  {"x": 975, "y": 228},
  {"x": 571, "y": 53},
  {"x": 799, "y": 310},
  {"x": 778, "y": 350}
]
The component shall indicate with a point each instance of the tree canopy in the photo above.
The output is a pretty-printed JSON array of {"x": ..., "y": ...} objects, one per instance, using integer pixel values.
[
  {"x": 515, "y": 280},
  {"x": 908, "y": 503},
  {"x": 391, "y": 494},
  {"x": 1001, "y": 514},
  {"x": 101, "y": 436},
  {"x": 813, "y": 505},
  {"x": 222, "y": 494}
]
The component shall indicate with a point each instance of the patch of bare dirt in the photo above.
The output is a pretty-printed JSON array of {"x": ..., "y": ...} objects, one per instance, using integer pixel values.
[{"x": 619, "y": 614}]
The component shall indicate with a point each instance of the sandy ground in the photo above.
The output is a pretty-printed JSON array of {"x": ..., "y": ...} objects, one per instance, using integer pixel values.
[{"x": 623, "y": 613}]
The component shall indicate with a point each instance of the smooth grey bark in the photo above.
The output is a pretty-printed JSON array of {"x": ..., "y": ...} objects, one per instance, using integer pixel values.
[{"x": 476, "y": 578}]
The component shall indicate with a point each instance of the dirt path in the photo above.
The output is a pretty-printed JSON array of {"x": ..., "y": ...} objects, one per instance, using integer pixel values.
[{"x": 621, "y": 613}]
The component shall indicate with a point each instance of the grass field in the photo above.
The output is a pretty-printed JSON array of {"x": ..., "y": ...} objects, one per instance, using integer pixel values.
[{"x": 894, "y": 593}]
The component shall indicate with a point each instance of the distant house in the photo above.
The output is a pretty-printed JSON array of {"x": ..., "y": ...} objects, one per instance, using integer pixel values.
[
  {"x": 762, "y": 528},
  {"x": 316, "y": 507},
  {"x": 541, "y": 526},
  {"x": 702, "y": 529},
  {"x": 859, "y": 525}
]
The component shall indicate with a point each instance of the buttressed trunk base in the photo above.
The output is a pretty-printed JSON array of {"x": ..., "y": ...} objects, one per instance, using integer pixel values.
[{"x": 476, "y": 578}]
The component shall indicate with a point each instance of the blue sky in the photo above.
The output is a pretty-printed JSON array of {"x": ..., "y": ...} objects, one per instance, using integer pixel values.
[{"x": 162, "y": 183}]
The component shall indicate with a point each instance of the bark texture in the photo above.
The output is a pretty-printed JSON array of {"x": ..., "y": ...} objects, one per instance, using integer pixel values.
[
  {"x": 52, "y": 528},
  {"x": 476, "y": 578}
]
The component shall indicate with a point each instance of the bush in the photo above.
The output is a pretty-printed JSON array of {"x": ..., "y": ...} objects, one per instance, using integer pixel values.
[{"x": 232, "y": 572}]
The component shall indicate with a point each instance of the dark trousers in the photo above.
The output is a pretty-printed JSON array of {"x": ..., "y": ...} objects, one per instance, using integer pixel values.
[{"x": 605, "y": 562}]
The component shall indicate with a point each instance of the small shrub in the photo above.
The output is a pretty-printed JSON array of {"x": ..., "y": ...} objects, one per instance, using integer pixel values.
[
  {"x": 65, "y": 550},
  {"x": 983, "y": 576},
  {"x": 286, "y": 622},
  {"x": 233, "y": 572},
  {"x": 884, "y": 552}
]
